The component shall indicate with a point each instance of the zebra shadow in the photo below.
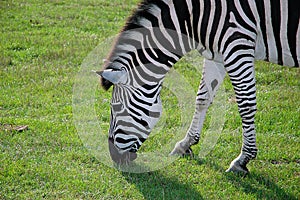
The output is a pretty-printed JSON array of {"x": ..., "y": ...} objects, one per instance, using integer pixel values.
[
  {"x": 254, "y": 183},
  {"x": 156, "y": 185}
]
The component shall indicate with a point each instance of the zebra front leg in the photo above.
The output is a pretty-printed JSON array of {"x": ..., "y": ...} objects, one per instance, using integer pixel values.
[
  {"x": 193, "y": 135},
  {"x": 212, "y": 77}
]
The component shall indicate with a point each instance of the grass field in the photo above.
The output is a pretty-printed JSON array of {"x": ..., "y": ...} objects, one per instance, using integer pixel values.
[{"x": 42, "y": 46}]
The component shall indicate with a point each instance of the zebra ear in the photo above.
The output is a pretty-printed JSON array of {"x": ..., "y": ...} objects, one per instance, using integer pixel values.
[{"x": 112, "y": 75}]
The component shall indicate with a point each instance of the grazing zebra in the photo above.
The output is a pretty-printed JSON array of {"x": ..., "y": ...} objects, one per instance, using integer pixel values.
[{"x": 229, "y": 34}]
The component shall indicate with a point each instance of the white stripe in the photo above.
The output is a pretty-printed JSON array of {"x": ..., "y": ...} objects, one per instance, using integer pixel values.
[
  {"x": 126, "y": 47},
  {"x": 135, "y": 84},
  {"x": 235, "y": 74},
  {"x": 123, "y": 59},
  {"x": 188, "y": 35},
  {"x": 200, "y": 46},
  {"x": 149, "y": 46},
  {"x": 124, "y": 145},
  {"x": 152, "y": 61},
  {"x": 228, "y": 48},
  {"x": 158, "y": 45},
  {"x": 286, "y": 52},
  {"x": 190, "y": 7},
  {"x": 239, "y": 52},
  {"x": 132, "y": 129},
  {"x": 298, "y": 43}
]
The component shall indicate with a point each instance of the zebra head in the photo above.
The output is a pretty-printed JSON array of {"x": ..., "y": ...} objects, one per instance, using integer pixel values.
[{"x": 135, "y": 109}]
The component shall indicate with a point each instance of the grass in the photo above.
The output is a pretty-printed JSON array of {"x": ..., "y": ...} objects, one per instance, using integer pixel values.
[{"x": 44, "y": 43}]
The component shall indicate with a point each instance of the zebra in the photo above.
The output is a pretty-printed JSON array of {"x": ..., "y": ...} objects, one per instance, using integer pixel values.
[{"x": 229, "y": 34}]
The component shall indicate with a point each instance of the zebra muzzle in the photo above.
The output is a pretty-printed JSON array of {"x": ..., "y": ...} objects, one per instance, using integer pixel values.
[{"x": 119, "y": 157}]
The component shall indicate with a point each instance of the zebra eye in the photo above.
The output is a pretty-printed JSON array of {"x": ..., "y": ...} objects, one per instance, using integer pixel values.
[{"x": 117, "y": 107}]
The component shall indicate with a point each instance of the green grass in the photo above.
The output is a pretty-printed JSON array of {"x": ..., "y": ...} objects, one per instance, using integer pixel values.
[{"x": 42, "y": 46}]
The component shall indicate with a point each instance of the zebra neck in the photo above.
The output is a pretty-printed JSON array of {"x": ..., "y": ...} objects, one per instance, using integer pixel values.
[
  {"x": 144, "y": 55},
  {"x": 152, "y": 42}
]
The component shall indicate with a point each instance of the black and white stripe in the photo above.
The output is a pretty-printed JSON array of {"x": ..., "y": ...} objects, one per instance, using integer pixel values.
[{"x": 230, "y": 34}]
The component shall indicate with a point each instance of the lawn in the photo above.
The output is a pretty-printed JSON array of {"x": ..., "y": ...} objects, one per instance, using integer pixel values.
[{"x": 43, "y": 47}]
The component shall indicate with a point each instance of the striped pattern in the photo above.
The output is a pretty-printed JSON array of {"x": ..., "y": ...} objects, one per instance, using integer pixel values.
[{"x": 230, "y": 34}]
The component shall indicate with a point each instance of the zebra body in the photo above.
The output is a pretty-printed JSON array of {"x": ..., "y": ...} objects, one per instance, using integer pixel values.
[{"x": 229, "y": 34}]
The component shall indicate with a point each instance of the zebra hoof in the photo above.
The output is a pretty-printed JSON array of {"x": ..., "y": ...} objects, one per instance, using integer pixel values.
[
  {"x": 179, "y": 151},
  {"x": 189, "y": 153},
  {"x": 236, "y": 167}
]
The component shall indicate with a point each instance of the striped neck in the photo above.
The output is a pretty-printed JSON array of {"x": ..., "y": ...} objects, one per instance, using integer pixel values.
[{"x": 150, "y": 44}]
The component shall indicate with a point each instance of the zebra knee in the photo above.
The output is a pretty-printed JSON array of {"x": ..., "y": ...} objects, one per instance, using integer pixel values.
[
  {"x": 205, "y": 95},
  {"x": 203, "y": 100}
]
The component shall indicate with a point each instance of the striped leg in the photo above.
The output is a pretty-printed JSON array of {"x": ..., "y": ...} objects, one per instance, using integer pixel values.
[
  {"x": 240, "y": 67},
  {"x": 212, "y": 76}
]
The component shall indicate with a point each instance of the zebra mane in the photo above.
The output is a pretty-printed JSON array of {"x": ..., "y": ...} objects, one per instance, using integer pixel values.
[{"x": 131, "y": 23}]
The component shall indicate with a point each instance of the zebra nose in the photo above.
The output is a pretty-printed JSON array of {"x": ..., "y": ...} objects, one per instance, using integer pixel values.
[{"x": 120, "y": 157}]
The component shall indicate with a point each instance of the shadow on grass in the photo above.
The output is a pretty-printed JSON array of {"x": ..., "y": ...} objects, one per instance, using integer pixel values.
[
  {"x": 254, "y": 183},
  {"x": 155, "y": 185}
]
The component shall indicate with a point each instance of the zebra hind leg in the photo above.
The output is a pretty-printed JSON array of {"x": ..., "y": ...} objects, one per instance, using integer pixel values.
[
  {"x": 248, "y": 152},
  {"x": 183, "y": 147},
  {"x": 245, "y": 90}
]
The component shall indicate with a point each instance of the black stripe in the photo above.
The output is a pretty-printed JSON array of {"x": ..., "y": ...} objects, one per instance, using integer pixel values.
[
  {"x": 237, "y": 58},
  {"x": 158, "y": 34},
  {"x": 138, "y": 69},
  {"x": 240, "y": 90},
  {"x": 240, "y": 66},
  {"x": 137, "y": 107},
  {"x": 166, "y": 16},
  {"x": 244, "y": 93},
  {"x": 162, "y": 58},
  {"x": 148, "y": 95},
  {"x": 240, "y": 99},
  {"x": 129, "y": 124},
  {"x": 196, "y": 18},
  {"x": 247, "y": 10},
  {"x": 141, "y": 101},
  {"x": 234, "y": 80},
  {"x": 124, "y": 141},
  {"x": 276, "y": 21},
  {"x": 214, "y": 28},
  {"x": 234, "y": 37},
  {"x": 204, "y": 23},
  {"x": 202, "y": 93},
  {"x": 183, "y": 15},
  {"x": 262, "y": 15},
  {"x": 140, "y": 121},
  {"x": 241, "y": 19},
  {"x": 293, "y": 25}
]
